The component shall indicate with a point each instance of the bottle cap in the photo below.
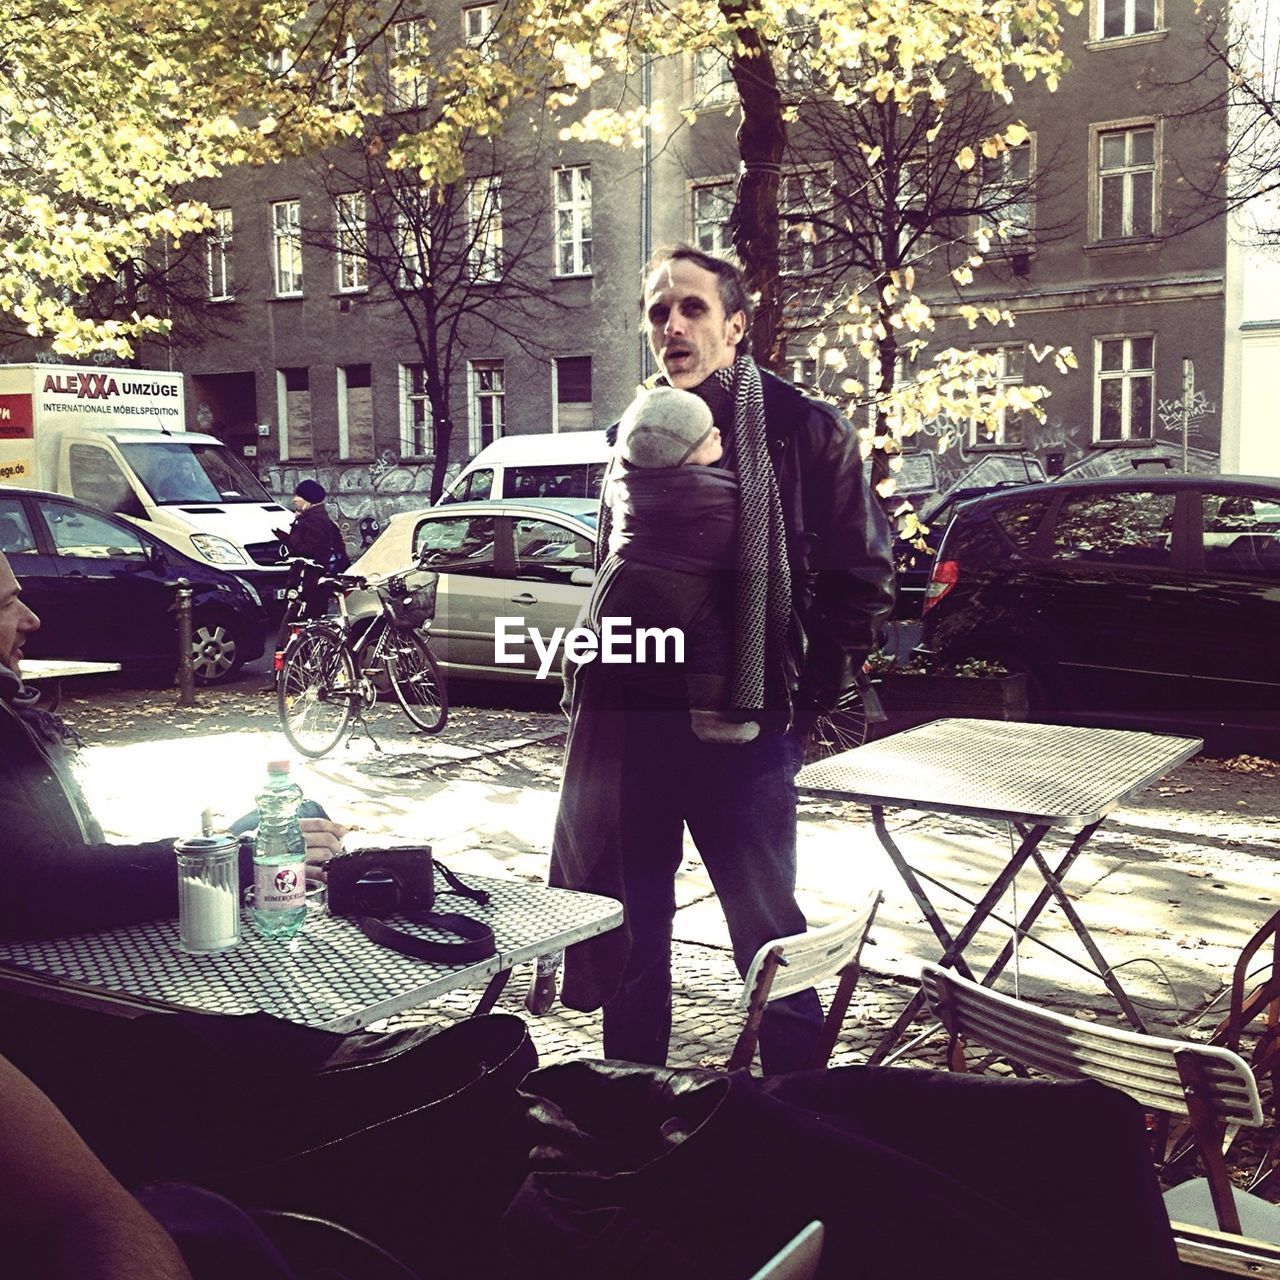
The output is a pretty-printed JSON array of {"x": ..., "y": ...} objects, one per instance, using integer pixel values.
[{"x": 277, "y": 766}]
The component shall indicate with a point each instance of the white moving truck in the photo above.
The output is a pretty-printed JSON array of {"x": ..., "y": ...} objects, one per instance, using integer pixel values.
[{"x": 117, "y": 438}]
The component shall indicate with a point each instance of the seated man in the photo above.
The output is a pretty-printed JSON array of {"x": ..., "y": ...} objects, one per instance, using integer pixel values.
[{"x": 59, "y": 875}]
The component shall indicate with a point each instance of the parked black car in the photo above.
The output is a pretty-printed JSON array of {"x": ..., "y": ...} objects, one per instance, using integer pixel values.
[
  {"x": 1147, "y": 599},
  {"x": 104, "y": 590}
]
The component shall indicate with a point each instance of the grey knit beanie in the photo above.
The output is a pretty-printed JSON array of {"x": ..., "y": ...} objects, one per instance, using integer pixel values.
[{"x": 662, "y": 427}]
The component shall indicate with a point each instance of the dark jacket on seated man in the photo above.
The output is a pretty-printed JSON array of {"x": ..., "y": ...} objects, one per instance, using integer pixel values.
[{"x": 59, "y": 874}]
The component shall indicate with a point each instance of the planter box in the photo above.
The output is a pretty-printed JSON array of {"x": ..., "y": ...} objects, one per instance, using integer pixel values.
[{"x": 910, "y": 700}]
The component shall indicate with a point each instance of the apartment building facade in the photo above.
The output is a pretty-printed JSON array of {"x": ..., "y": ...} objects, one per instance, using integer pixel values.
[{"x": 305, "y": 358}]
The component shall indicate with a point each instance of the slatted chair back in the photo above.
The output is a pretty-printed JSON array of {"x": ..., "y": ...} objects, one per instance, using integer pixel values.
[
  {"x": 1212, "y": 1086},
  {"x": 789, "y": 965}
]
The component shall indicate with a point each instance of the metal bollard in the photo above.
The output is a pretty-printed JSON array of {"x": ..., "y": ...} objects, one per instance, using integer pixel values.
[{"x": 186, "y": 673}]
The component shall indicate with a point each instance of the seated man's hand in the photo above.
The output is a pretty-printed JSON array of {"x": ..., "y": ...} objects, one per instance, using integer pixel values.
[{"x": 323, "y": 839}]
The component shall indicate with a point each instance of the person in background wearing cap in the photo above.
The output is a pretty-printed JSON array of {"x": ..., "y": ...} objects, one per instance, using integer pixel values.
[
  {"x": 813, "y": 577},
  {"x": 313, "y": 535},
  {"x": 671, "y": 551}
]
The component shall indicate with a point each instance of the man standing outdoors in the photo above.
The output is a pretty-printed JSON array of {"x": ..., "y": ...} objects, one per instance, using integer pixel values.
[{"x": 814, "y": 576}]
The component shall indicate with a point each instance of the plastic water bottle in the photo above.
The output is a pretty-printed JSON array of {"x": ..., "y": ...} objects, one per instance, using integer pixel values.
[{"x": 279, "y": 857}]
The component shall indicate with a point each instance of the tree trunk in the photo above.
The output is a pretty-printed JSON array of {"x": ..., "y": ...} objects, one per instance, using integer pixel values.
[{"x": 762, "y": 139}]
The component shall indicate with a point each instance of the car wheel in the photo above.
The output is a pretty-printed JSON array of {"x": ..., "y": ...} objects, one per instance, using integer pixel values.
[{"x": 216, "y": 651}]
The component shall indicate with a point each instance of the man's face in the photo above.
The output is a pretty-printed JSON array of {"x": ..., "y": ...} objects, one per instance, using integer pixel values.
[
  {"x": 689, "y": 333},
  {"x": 16, "y": 620},
  {"x": 298, "y": 504}
]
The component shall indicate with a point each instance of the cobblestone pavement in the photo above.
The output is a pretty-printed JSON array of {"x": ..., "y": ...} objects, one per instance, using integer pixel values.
[{"x": 1171, "y": 886}]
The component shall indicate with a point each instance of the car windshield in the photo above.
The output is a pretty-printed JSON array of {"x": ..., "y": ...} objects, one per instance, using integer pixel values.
[{"x": 176, "y": 471}]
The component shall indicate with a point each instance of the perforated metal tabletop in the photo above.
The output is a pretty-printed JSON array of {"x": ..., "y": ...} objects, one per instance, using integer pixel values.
[
  {"x": 1047, "y": 774},
  {"x": 331, "y": 976}
]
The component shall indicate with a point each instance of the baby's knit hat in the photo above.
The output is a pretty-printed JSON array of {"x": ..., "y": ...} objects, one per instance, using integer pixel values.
[{"x": 662, "y": 427}]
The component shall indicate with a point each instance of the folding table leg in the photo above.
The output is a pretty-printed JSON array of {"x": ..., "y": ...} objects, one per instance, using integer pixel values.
[
  {"x": 1038, "y": 904},
  {"x": 953, "y": 948},
  {"x": 1086, "y": 940}
]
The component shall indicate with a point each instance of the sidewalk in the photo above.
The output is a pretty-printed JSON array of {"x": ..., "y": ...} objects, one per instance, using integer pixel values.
[{"x": 1171, "y": 886}]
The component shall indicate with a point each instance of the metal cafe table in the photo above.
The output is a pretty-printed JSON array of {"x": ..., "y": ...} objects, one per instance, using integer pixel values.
[
  {"x": 1038, "y": 777},
  {"x": 330, "y": 976}
]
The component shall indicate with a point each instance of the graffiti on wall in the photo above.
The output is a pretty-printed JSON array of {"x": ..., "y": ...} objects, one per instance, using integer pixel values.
[{"x": 362, "y": 496}]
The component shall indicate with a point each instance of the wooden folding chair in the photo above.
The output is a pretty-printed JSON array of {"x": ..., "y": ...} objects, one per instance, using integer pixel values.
[
  {"x": 1213, "y": 1087},
  {"x": 788, "y": 965}
]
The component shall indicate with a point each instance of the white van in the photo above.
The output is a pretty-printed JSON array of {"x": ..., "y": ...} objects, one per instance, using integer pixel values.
[{"x": 558, "y": 464}]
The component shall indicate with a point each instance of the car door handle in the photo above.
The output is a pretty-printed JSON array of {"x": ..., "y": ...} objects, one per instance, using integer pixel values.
[{"x": 525, "y": 597}]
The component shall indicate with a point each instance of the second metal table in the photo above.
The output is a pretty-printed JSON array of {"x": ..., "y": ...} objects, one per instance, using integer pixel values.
[{"x": 1038, "y": 777}]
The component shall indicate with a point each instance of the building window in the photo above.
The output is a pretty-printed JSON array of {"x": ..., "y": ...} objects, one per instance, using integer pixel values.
[
  {"x": 804, "y": 203},
  {"x": 415, "y": 412},
  {"x": 484, "y": 228},
  {"x": 352, "y": 266},
  {"x": 712, "y": 206},
  {"x": 1005, "y": 194},
  {"x": 1006, "y": 425},
  {"x": 286, "y": 258},
  {"x": 355, "y": 411},
  {"x": 1126, "y": 178},
  {"x": 486, "y": 403},
  {"x": 343, "y": 72},
  {"x": 218, "y": 256},
  {"x": 408, "y": 88},
  {"x": 572, "y": 191},
  {"x": 293, "y": 406},
  {"x": 1124, "y": 388},
  {"x": 1114, "y": 19},
  {"x": 573, "y": 393},
  {"x": 478, "y": 20},
  {"x": 712, "y": 79},
  {"x": 412, "y": 233}
]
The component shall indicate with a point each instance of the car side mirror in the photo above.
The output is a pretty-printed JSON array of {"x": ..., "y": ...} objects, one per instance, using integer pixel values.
[{"x": 582, "y": 577}]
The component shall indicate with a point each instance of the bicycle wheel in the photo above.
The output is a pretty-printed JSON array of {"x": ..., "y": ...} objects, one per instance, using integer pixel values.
[
  {"x": 317, "y": 691},
  {"x": 842, "y": 730},
  {"x": 416, "y": 680}
]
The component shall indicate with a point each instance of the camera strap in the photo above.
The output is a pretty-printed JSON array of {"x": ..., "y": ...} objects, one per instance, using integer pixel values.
[{"x": 477, "y": 944}]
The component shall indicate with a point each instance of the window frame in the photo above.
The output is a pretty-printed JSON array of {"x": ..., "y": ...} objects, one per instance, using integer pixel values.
[
  {"x": 344, "y": 389},
  {"x": 709, "y": 185},
  {"x": 407, "y": 35},
  {"x": 1097, "y": 24},
  {"x": 578, "y": 207},
  {"x": 477, "y": 40},
  {"x": 710, "y": 79},
  {"x": 219, "y": 245},
  {"x": 413, "y": 391},
  {"x": 478, "y": 397},
  {"x": 1126, "y": 374},
  {"x": 485, "y": 259},
  {"x": 1002, "y": 379},
  {"x": 1019, "y": 239},
  {"x": 1097, "y": 132},
  {"x": 286, "y": 238},
  {"x": 556, "y": 401},
  {"x": 350, "y": 256},
  {"x": 790, "y": 243}
]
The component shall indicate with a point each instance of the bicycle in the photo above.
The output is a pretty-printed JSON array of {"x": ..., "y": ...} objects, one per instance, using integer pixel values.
[
  {"x": 849, "y": 724},
  {"x": 333, "y": 667}
]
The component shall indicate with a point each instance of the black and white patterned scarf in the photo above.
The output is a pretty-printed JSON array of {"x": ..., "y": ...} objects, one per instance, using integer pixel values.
[{"x": 762, "y": 601}]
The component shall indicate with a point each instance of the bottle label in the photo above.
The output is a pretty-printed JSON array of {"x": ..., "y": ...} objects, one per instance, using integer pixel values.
[{"x": 280, "y": 886}]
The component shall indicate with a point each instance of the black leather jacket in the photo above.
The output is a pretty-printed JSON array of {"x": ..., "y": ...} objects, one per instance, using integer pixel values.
[{"x": 839, "y": 546}]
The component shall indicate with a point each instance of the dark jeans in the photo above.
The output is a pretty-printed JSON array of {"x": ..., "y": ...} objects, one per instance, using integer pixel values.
[{"x": 739, "y": 802}]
